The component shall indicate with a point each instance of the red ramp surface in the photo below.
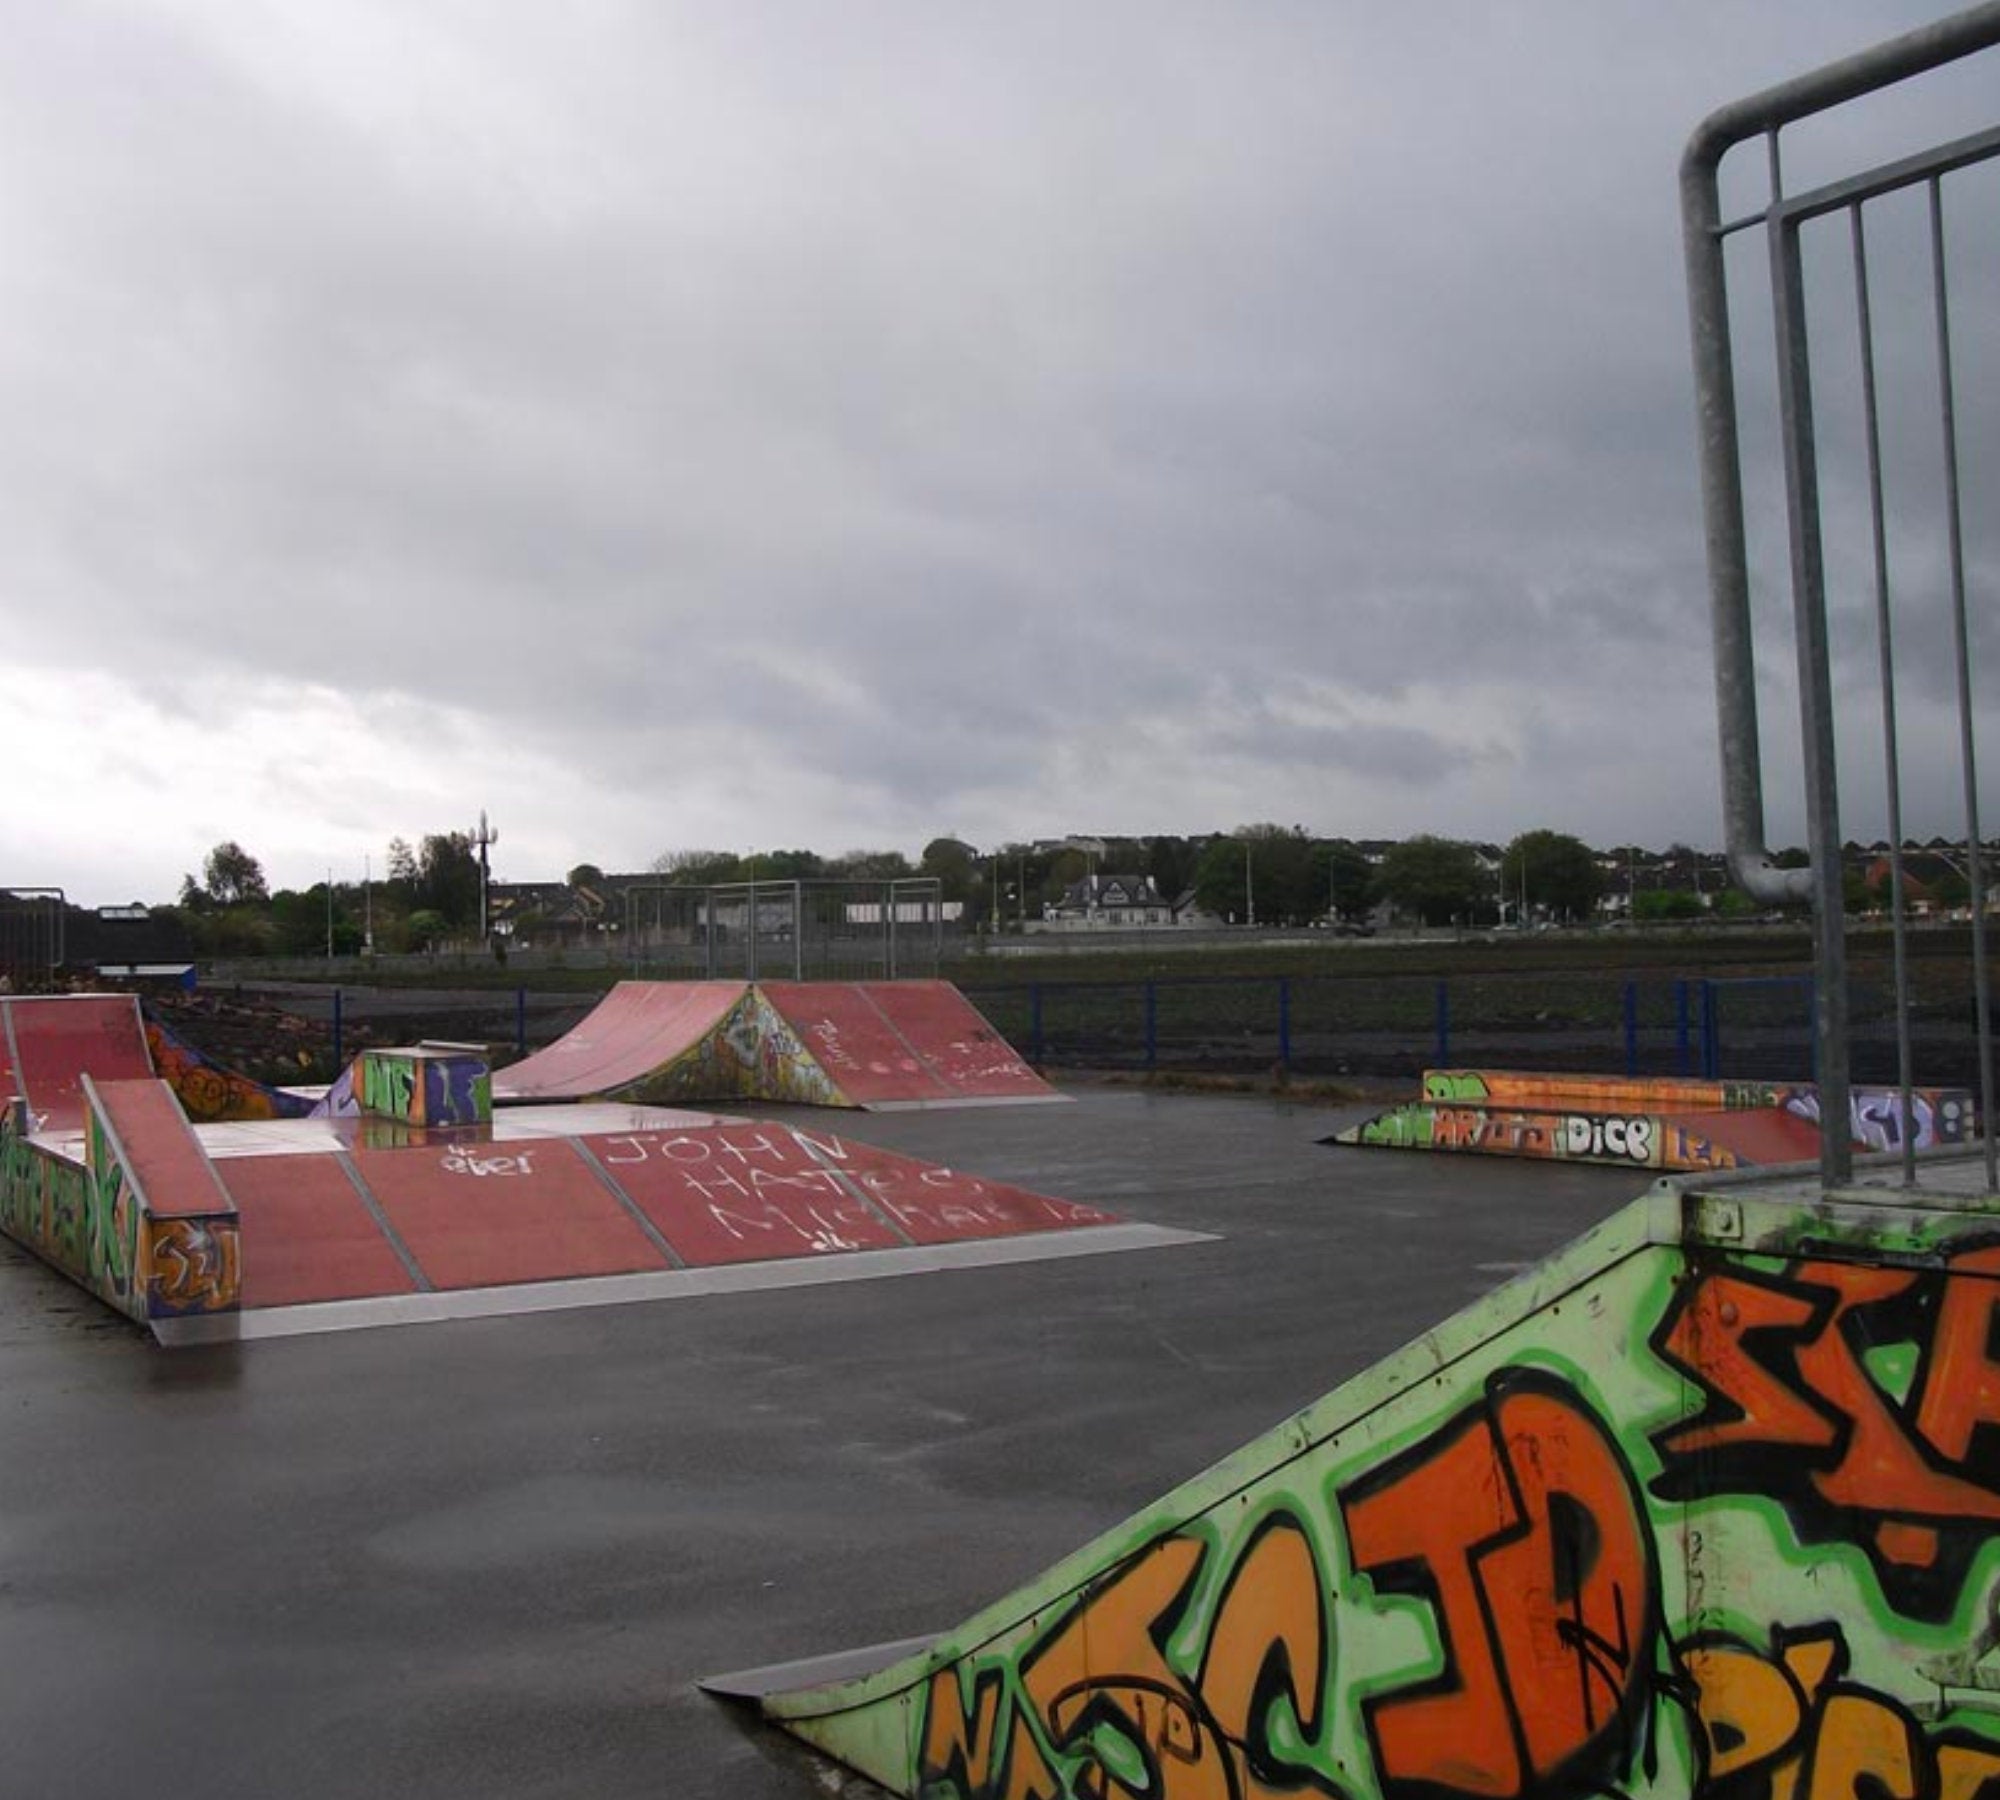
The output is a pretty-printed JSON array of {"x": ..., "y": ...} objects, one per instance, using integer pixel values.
[
  {"x": 876, "y": 1044},
  {"x": 472, "y": 1209},
  {"x": 743, "y": 1192},
  {"x": 632, "y": 1032},
  {"x": 53, "y": 1041},
  {"x": 308, "y": 1233},
  {"x": 891, "y": 1044}
]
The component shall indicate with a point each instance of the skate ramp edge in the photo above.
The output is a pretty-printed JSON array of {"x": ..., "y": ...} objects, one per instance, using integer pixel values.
[{"x": 1706, "y": 1492}]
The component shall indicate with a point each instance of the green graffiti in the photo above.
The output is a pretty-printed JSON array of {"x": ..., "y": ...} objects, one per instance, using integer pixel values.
[
  {"x": 111, "y": 1224},
  {"x": 1409, "y": 1127},
  {"x": 1454, "y": 1084},
  {"x": 388, "y": 1086}
]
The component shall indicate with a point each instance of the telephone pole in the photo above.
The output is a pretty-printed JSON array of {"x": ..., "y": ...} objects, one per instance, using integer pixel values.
[{"x": 483, "y": 838}]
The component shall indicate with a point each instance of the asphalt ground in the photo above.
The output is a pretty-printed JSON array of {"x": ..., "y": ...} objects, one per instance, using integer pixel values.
[{"x": 492, "y": 1557}]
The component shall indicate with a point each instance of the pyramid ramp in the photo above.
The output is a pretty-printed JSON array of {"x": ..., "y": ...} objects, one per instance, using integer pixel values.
[
  {"x": 1706, "y": 1503},
  {"x": 881, "y": 1046}
]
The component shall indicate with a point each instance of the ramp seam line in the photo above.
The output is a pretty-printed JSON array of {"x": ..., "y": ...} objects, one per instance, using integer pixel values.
[
  {"x": 861, "y": 1195},
  {"x": 404, "y": 1254},
  {"x": 631, "y": 1207},
  {"x": 867, "y": 992}
]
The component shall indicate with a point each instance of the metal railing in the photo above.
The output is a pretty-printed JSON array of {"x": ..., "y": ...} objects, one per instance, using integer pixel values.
[
  {"x": 797, "y": 930},
  {"x": 1784, "y": 220},
  {"x": 32, "y": 921}
]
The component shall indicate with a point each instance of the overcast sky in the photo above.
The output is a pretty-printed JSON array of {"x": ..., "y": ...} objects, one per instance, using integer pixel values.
[{"x": 740, "y": 425}]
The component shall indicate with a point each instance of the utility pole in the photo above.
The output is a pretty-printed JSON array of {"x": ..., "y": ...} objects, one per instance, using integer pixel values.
[
  {"x": 483, "y": 838},
  {"x": 1249, "y": 888}
]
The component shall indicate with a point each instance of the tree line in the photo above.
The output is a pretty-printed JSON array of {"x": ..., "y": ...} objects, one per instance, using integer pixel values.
[{"x": 428, "y": 893}]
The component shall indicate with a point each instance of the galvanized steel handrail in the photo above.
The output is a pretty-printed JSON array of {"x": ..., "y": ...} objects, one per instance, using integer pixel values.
[{"x": 1704, "y": 230}]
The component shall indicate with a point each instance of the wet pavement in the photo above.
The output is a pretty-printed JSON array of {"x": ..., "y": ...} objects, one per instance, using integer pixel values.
[{"x": 492, "y": 1557}]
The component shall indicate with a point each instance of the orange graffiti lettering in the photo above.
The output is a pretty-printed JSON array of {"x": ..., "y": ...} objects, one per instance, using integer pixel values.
[
  {"x": 1795, "y": 1409},
  {"x": 1789, "y": 1726},
  {"x": 1519, "y": 1524}
]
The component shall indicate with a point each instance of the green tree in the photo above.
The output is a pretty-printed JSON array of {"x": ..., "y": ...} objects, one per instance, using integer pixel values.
[
  {"x": 1221, "y": 879},
  {"x": 585, "y": 875},
  {"x": 870, "y": 865},
  {"x": 1558, "y": 873},
  {"x": 448, "y": 880},
  {"x": 953, "y": 864},
  {"x": 1655, "y": 905},
  {"x": 785, "y": 865},
  {"x": 232, "y": 875},
  {"x": 695, "y": 868},
  {"x": 1171, "y": 863},
  {"x": 427, "y": 928},
  {"x": 1436, "y": 879},
  {"x": 1344, "y": 876}
]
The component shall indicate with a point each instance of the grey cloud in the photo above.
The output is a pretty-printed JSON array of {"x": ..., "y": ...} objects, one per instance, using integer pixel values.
[{"x": 909, "y": 409}]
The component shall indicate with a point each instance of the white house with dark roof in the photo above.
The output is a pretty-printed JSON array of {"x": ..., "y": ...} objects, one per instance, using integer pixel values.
[{"x": 1110, "y": 902}]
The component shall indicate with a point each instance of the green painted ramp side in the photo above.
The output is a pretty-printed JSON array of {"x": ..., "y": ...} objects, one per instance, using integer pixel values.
[{"x": 1708, "y": 1504}]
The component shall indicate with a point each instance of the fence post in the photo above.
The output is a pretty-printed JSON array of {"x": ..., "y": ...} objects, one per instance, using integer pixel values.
[
  {"x": 1443, "y": 1026},
  {"x": 1631, "y": 1028},
  {"x": 1711, "y": 1033},
  {"x": 1285, "y": 1024},
  {"x": 338, "y": 1035},
  {"x": 1152, "y": 1026},
  {"x": 1035, "y": 1044},
  {"x": 520, "y": 1021},
  {"x": 1682, "y": 1066}
]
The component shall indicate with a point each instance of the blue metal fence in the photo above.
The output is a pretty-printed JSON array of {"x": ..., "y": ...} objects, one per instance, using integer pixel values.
[{"x": 1740, "y": 1027}]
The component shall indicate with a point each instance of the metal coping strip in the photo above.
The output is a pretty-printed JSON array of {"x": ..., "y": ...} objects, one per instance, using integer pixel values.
[{"x": 664, "y": 1284}]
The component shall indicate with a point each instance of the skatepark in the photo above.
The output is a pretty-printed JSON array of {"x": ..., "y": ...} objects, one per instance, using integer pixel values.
[
  {"x": 907, "y": 1434},
  {"x": 499, "y": 1553}
]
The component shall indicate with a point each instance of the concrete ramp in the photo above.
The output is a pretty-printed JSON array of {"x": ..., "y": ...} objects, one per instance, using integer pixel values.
[
  {"x": 411, "y": 1199},
  {"x": 1665, "y": 1124},
  {"x": 348, "y": 1210},
  {"x": 879, "y": 1045},
  {"x": 633, "y": 1037},
  {"x": 887, "y": 1045},
  {"x": 206, "y": 1089},
  {"x": 1706, "y": 1504},
  {"x": 48, "y": 1042},
  {"x": 126, "y": 1205},
  {"x": 52, "y": 1041}
]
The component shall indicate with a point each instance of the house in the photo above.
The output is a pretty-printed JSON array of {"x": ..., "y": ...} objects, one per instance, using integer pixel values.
[{"x": 1109, "y": 902}]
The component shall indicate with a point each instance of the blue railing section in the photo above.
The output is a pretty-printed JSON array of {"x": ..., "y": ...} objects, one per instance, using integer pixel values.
[{"x": 1747, "y": 1028}]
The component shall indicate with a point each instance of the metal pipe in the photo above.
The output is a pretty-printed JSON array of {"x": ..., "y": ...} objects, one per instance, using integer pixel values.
[
  {"x": 1962, "y": 650},
  {"x": 1927, "y": 47},
  {"x": 1886, "y": 651}
]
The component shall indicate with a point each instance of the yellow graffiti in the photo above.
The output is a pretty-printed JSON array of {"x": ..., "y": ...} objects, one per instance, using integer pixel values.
[{"x": 1787, "y": 1726}]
